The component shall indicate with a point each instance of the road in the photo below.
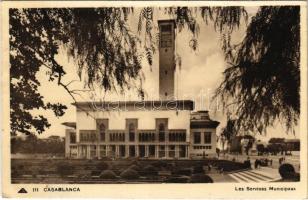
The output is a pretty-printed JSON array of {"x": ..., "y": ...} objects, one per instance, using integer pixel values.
[{"x": 294, "y": 160}]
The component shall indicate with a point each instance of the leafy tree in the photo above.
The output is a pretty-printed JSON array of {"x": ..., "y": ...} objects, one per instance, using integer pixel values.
[
  {"x": 32, "y": 44},
  {"x": 15, "y": 143},
  {"x": 228, "y": 132},
  {"x": 273, "y": 148},
  {"x": 288, "y": 173},
  {"x": 33, "y": 145},
  {"x": 106, "y": 52},
  {"x": 98, "y": 39},
  {"x": 247, "y": 142},
  {"x": 276, "y": 140},
  {"x": 263, "y": 76},
  {"x": 260, "y": 149}
]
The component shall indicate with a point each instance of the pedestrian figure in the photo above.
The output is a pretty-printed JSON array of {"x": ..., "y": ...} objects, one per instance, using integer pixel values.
[
  {"x": 256, "y": 163},
  {"x": 280, "y": 161},
  {"x": 259, "y": 163},
  {"x": 247, "y": 162},
  {"x": 266, "y": 161},
  {"x": 209, "y": 167}
]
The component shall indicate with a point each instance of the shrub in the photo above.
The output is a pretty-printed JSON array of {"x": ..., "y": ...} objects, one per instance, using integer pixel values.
[
  {"x": 164, "y": 165},
  {"x": 198, "y": 169},
  {"x": 178, "y": 179},
  {"x": 149, "y": 170},
  {"x": 229, "y": 166},
  {"x": 14, "y": 168},
  {"x": 247, "y": 164},
  {"x": 129, "y": 174},
  {"x": 287, "y": 171},
  {"x": 296, "y": 177},
  {"x": 20, "y": 167},
  {"x": 134, "y": 162},
  {"x": 134, "y": 167},
  {"x": 15, "y": 174},
  {"x": 45, "y": 163},
  {"x": 42, "y": 172},
  {"x": 95, "y": 173},
  {"x": 102, "y": 166},
  {"x": 108, "y": 174},
  {"x": 89, "y": 167},
  {"x": 106, "y": 159},
  {"x": 170, "y": 166},
  {"x": 84, "y": 176},
  {"x": 185, "y": 171},
  {"x": 65, "y": 169},
  {"x": 201, "y": 178},
  {"x": 34, "y": 174}
]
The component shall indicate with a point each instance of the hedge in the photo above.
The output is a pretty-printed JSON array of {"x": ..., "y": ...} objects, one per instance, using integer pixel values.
[
  {"x": 108, "y": 174},
  {"x": 129, "y": 174},
  {"x": 201, "y": 178}
]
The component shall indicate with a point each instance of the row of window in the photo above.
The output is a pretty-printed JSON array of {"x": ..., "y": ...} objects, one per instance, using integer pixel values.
[
  {"x": 177, "y": 137},
  {"x": 166, "y": 36},
  {"x": 207, "y": 138},
  {"x": 88, "y": 137},
  {"x": 131, "y": 127},
  {"x": 116, "y": 137},
  {"x": 146, "y": 137},
  {"x": 151, "y": 147},
  {"x": 133, "y": 151},
  {"x": 143, "y": 137}
]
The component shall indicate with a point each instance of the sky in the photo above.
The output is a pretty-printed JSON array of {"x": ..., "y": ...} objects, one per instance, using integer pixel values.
[{"x": 197, "y": 78}]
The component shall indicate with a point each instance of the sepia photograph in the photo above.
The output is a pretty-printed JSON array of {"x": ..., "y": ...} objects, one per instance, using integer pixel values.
[{"x": 155, "y": 95}]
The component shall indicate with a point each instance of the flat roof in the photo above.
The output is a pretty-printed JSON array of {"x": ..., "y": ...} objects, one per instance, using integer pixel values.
[
  {"x": 69, "y": 124},
  {"x": 200, "y": 111},
  {"x": 204, "y": 124}
]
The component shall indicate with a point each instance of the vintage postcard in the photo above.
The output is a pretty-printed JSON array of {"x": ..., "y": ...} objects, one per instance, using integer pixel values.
[{"x": 154, "y": 99}]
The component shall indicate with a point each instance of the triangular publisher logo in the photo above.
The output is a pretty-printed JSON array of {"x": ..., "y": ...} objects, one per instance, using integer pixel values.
[{"x": 22, "y": 190}]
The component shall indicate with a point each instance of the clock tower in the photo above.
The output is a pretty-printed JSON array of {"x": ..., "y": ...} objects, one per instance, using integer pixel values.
[{"x": 166, "y": 59}]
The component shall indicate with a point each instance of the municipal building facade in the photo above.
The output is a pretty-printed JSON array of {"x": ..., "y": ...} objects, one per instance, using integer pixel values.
[{"x": 162, "y": 129}]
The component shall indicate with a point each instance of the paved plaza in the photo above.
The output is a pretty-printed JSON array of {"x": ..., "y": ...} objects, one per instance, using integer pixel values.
[
  {"x": 294, "y": 159},
  {"x": 261, "y": 174},
  {"x": 264, "y": 174}
]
